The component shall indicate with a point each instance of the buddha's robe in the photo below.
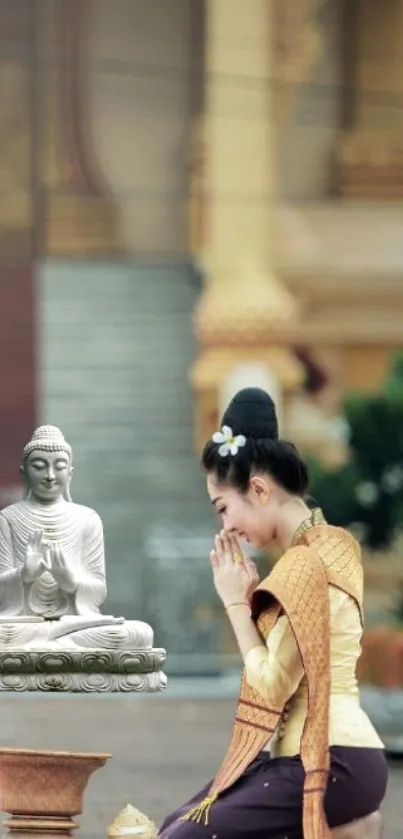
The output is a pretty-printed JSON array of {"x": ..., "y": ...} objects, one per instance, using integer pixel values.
[{"x": 78, "y": 530}]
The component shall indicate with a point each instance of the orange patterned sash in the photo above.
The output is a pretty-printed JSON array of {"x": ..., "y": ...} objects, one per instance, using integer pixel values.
[{"x": 299, "y": 587}]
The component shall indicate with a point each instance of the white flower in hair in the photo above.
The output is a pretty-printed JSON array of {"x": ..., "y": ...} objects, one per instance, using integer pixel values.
[{"x": 228, "y": 443}]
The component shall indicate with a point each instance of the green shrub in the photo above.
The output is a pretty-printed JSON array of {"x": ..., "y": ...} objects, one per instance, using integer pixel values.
[{"x": 368, "y": 491}]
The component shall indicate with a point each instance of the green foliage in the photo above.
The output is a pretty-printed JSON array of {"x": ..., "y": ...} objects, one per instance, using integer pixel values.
[{"x": 368, "y": 491}]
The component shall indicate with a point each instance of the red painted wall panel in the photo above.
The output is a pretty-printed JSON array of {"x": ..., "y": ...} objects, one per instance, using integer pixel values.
[{"x": 17, "y": 372}]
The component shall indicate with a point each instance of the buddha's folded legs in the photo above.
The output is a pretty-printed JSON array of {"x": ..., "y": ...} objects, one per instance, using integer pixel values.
[
  {"x": 62, "y": 634},
  {"x": 129, "y": 635}
]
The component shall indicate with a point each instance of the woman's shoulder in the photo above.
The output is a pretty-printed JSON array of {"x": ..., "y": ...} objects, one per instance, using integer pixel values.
[{"x": 299, "y": 570}]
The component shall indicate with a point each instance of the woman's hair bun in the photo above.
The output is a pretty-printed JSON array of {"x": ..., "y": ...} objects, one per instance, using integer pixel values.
[{"x": 252, "y": 412}]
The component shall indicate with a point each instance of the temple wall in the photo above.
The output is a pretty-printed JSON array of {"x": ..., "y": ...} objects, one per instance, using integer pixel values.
[{"x": 115, "y": 347}]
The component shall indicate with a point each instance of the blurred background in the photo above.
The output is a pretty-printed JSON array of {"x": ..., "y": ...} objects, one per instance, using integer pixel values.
[{"x": 196, "y": 196}]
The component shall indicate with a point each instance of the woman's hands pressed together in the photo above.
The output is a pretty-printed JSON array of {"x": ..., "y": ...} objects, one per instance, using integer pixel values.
[
  {"x": 235, "y": 579},
  {"x": 235, "y": 575}
]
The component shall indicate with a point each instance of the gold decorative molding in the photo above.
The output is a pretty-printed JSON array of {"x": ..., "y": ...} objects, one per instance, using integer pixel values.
[
  {"x": 247, "y": 306},
  {"x": 343, "y": 261},
  {"x": 296, "y": 46},
  {"x": 215, "y": 364},
  {"x": 80, "y": 225},
  {"x": 371, "y": 164}
]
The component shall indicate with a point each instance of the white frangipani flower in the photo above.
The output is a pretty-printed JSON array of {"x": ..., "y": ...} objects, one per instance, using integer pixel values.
[{"x": 229, "y": 444}]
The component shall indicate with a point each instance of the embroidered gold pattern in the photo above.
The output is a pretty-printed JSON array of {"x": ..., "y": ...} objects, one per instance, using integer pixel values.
[
  {"x": 298, "y": 585},
  {"x": 314, "y": 519}
]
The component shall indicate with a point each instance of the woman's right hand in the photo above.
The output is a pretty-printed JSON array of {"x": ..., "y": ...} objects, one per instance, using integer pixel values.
[
  {"x": 249, "y": 566},
  {"x": 35, "y": 562},
  {"x": 243, "y": 560}
]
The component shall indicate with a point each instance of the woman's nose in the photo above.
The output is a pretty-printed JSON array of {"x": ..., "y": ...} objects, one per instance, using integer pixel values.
[{"x": 230, "y": 529}]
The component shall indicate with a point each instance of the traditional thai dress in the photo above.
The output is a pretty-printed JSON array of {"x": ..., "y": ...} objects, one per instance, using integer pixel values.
[{"x": 303, "y": 757}]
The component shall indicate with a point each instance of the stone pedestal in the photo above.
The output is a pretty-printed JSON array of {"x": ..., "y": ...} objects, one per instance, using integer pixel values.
[{"x": 82, "y": 671}]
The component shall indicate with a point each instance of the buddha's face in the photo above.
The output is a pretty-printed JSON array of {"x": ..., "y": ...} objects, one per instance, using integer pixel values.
[{"x": 48, "y": 475}]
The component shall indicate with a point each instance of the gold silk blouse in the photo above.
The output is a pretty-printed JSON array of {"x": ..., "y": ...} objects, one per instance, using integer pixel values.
[{"x": 276, "y": 673}]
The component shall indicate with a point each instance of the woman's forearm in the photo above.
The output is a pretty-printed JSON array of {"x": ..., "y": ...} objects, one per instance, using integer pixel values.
[
  {"x": 274, "y": 675},
  {"x": 246, "y": 634}
]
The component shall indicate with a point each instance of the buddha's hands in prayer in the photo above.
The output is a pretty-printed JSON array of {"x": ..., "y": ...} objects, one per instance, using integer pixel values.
[
  {"x": 235, "y": 575},
  {"x": 35, "y": 561},
  {"x": 59, "y": 568}
]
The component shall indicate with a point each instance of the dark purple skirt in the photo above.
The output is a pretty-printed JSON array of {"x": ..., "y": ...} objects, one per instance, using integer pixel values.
[{"x": 266, "y": 802}]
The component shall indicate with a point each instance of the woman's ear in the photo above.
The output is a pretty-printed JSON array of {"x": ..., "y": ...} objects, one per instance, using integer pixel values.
[{"x": 261, "y": 489}]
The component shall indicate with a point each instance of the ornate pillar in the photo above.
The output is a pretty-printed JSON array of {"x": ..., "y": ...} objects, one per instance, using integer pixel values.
[
  {"x": 244, "y": 316},
  {"x": 79, "y": 214},
  {"x": 297, "y": 44}
]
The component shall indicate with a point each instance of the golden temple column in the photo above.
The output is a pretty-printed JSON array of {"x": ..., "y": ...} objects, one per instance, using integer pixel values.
[
  {"x": 245, "y": 319},
  {"x": 238, "y": 135}
]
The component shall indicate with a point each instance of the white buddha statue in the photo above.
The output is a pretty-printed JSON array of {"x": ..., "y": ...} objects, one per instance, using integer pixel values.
[{"x": 52, "y": 564}]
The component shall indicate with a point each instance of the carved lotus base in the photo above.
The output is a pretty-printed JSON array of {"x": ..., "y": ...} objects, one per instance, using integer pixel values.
[
  {"x": 76, "y": 671},
  {"x": 43, "y": 790}
]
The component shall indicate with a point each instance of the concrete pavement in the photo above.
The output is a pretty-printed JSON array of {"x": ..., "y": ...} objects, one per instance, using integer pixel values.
[{"x": 164, "y": 748}]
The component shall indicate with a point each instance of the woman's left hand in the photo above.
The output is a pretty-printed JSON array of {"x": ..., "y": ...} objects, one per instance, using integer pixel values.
[{"x": 235, "y": 575}]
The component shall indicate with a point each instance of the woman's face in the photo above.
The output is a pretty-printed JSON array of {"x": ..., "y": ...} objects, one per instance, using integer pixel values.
[{"x": 251, "y": 516}]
